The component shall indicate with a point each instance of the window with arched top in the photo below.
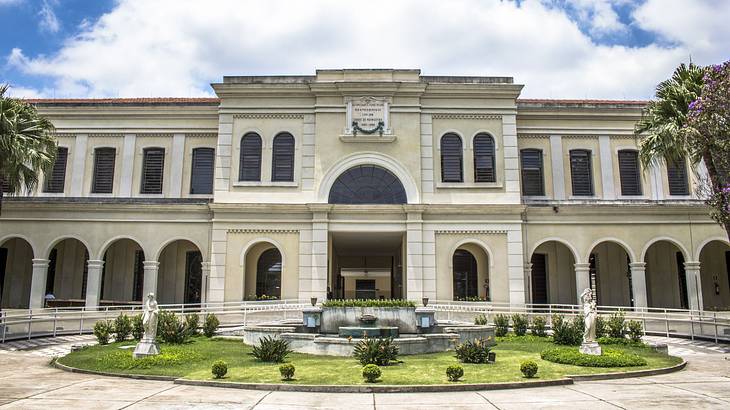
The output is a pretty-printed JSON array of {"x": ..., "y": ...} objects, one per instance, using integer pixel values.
[
  {"x": 249, "y": 166},
  {"x": 466, "y": 280},
  {"x": 484, "y": 168},
  {"x": 282, "y": 161},
  {"x": 452, "y": 159},
  {"x": 367, "y": 184},
  {"x": 268, "y": 274}
]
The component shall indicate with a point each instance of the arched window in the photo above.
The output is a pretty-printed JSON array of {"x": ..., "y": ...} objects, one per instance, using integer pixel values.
[
  {"x": 282, "y": 162},
  {"x": 249, "y": 166},
  {"x": 466, "y": 280},
  {"x": 452, "y": 159},
  {"x": 367, "y": 184},
  {"x": 268, "y": 274},
  {"x": 484, "y": 170}
]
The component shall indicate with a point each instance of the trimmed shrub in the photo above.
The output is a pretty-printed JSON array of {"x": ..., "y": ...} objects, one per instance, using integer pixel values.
[
  {"x": 528, "y": 368},
  {"x": 122, "y": 327},
  {"x": 501, "y": 325},
  {"x": 219, "y": 369},
  {"x": 619, "y": 341},
  {"x": 616, "y": 324},
  {"x": 371, "y": 373},
  {"x": 519, "y": 324},
  {"x": 481, "y": 320},
  {"x": 376, "y": 351},
  {"x": 102, "y": 330},
  {"x": 210, "y": 326},
  {"x": 473, "y": 351},
  {"x": 601, "y": 326},
  {"x": 137, "y": 327},
  {"x": 192, "y": 322},
  {"x": 287, "y": 371},
  {"x": 454, "y": 372},
  {"x": 170, "y": 328},
  {"x": 270, "y": 349},
  {"x": 609, "y": 358},
  {"x": 386, "y": 303},
  {"x": 538, "y": 326},
  {"x": 567, "y": 333},
  {"x": 635, "y": 330}
]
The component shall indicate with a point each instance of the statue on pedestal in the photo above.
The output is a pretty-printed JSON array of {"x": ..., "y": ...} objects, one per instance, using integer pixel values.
[
  {"x": 589, "y": 345},
  {"x": 148, "y": 345}
]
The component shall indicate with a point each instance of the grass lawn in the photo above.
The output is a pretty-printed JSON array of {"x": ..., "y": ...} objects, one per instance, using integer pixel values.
[{"x": 193, "y": 361}]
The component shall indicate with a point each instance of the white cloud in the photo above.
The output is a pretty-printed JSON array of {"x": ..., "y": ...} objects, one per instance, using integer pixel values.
[
  {"x": 599, "y": 15},
  {"x": 48, "y": 20},
  {"x": 176, "y": 47},
  {"x": 23, "y": 92}
]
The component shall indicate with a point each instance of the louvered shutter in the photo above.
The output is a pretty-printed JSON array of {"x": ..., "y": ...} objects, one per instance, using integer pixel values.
[
  {"x": 250, "y": 158},
  {"x": 103, "y": 180},
  {"x": 153, "y": 165},
  {"x": 55, "y": 180},
  {"x": 581, "y": 173},
  {"x": 677, "y": 175},
  {"x": 484, "y": 159},
  {"x": 452, "y": 161},
  {"x": 282, "y": 166},
  {"x": 628, "y": 163},
  {"x": 532, "y": 178},
  {"x": 201, "y": 179}
]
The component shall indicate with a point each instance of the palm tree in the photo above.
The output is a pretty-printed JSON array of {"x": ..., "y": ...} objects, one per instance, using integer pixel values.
[{"x": 27, "y": 145}]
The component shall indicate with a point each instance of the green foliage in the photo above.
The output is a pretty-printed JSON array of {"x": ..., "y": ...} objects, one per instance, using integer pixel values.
[
  {"x": 219, "y": 369},
  {"x": 211, "y": 325},
  {"x": 528, "y": 368},
  {"x": 192, "y": 322},
  {"x": 174, "y": 355},
  {"x": 371, "y": 373},
  {"x": 616, "y": 324},
  {"x": 102, "y": 330},
  {"x": 601, "y": 326},
  {"x": 454, "y": 372},
  {"x": 137, "y": 327},
  {"x": 122, "y": 327},
  {"x": 481, "y": 320},
  {"x": 501, "y": 325},
  {"x": 538, "y": 326},
  {"x": 519, "y": 324},
  {"x": 567, "y": 332},
  {"x": 384, "y": 303},
  {"x": 635, "y": 330},
  {"x": 609, "y": 358},
  {"x": 619, "y": 341},
  {"x": 473, "y": 351},
  {"x": 270, "y": 349},
  {"x": 287, "y": 371},
  {"x": 376, "y": 351},
  {"x": 170, "y": 329}
]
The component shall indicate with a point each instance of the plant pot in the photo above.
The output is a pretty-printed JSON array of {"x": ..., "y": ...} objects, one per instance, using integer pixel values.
[
  {"x": 492, "y": 357},
  {"x": 314, "y": 301},
  {"x": 425, "y": 302}
]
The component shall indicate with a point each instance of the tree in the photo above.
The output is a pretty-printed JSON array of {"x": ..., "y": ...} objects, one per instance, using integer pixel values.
[{"x": 27, "y": 145}]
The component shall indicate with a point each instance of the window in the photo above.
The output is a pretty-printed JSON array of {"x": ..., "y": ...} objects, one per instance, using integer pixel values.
[
  {"x": 452, "y": 160},
  {"x": 677, "y": 175},
  {"x": 532, "y": 179},
  {"x": 201, "y": 178},
  {"x": 250, "y": 158},
  {"x": 282, "y": 161},
  {"x": 484, "y": 159},
  {"x": 268, "y": 274},
  {"x": 466, "y": 281},
  {"x": 103, "y": 180},
  {"x": 153, "y": 165},
  {"x": 367, "y": 184},
  {"x": 55, "y": 180},
  {"x": 628, "y": 165},
  {"x": 581, "y": 172}
]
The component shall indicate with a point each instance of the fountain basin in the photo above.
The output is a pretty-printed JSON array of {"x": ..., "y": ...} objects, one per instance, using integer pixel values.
[
  {"x": 360, "y": 332},
  {"x": 403, "y": 318}
]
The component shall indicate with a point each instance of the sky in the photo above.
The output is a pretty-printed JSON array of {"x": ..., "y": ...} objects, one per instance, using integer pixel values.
[{"x": 597, "y": 49}]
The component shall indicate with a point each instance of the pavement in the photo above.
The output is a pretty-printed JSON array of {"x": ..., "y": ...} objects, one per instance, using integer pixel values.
[{"x": 28, "y": 382}]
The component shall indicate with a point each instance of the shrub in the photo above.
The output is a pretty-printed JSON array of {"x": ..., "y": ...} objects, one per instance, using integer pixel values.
[
  {"x": 481, "y": 320},
  {"x": 137, "y": 327},
  {"x": 376, "y": 351},
  {"x": 387, "y": 303},
  {"x": 501, "y": 325},
  {"x": 635, "y": 330},
  {"x": 519, "y": 324},
  {"x": 619, "y": 341},
  {"x": 528, "y": 368},
  {"x": 601, "y": 326},
  {"x": 473, "y": 351},
  {"x": 567, "y": 333},
  {"x": 170, "y": 328},
  {"x": 219, "y": 369},
  {"x": 211, "y": 325},
  {"x": 102, "y": 330},
  {"x": 609, "y": 357},
  {"x": 616, "y": 324},
  {"x": 287, "y": 371},
  {"x": 192, "y": 322},
  {"x": 122, "y": 327},
  {"x": 270, "y": 349},
  {"x": 371, "y": 373},
  {"x": 538, "y": 326},
  {"x": 454, "y": 372}
]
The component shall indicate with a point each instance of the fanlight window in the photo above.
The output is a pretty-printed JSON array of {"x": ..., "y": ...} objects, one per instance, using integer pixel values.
[{"x": 367, "y": 184}]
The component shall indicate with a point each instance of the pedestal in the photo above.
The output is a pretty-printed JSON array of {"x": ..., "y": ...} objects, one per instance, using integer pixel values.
[
  {"x": 146, "y": 347},
  {"x": 312, "y": 319},
  {"x": 591, "y": 348},
  {"x": 425, "y": 319}
]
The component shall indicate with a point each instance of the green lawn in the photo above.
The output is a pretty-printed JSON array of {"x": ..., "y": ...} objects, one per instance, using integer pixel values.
[{"x": 193, "y": 361}]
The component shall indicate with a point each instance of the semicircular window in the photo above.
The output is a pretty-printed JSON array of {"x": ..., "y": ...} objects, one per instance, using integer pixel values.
[{"x": 367, "y": 184}]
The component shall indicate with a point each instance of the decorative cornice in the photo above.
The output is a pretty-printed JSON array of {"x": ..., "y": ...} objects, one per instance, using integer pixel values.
[
  {"x": 581, "y": 136},
  {"x": 154, "y": 135},
  {"x": 471, "y": 232},
  {"x": 521, "y": 135},
  {"x": 448, "y": 116},
  {"x": 276, "y": 116},
  {"x": 104, "y": 135},
  {"x": 263, "y": 231},
  {"x": 201, "y": 135}
]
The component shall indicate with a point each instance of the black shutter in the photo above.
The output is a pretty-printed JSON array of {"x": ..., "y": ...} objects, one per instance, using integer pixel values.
[
  {"x": 201, "y": 178},
  {"x": 484, "y": 159},
  {"x": 539, "y": 278},
  {"x": 138, "y": 286},
  {"x": 153, "y": 165},
  {"x": 103, "y": 180},
  {"x": 677, "y": 175},
  {"x": 628, "y": 164},
  {"x": 51, "y": 273},
  {"x": 532, "y": 178},
  {"x": 452, "y": 160},
  {"x": 250, "y": 158},
  {"x": 55, "y": 180},
  {"x": 282, "y": 165},
  {"x": 581, "y": 173}
]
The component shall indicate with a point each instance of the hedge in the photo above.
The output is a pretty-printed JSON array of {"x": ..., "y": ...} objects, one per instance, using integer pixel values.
[{"x": 609, "y": 358}]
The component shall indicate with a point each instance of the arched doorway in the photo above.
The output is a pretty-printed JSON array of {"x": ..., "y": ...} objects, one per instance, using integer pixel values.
[
  {"x": 268, "y": 274},
  {"x": 263, "y": 272},
  {"x": 67, "y": 273},
  {"x": 122, "y": 278},
  {"x": 367, "y": 184},
  {"x": 715, "y": 275},
  {"x": 470, "y": 273},
  {"x": 610, "y": 274},
  {"x": 16, "y": 273},
  {"x": 553, "y": 274},
  {"x": 180, "y": 274},
  {"x": 666, "y": 281}
]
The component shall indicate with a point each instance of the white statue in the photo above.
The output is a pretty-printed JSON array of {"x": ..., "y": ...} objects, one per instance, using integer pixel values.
[
  {"x": 589, "y": 345},
  {"x": 148, "y": 345}
]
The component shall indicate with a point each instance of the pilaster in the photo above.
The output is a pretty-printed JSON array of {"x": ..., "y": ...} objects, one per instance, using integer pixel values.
[
  {"x": 556, "y": 161},
  {"x": 125, "y": 186},
  {"x": 694, "y": 289},
  {"x": 151, "y": 269},
  {"x": 638, "y": 284},
  {"x": 93, "y": 283},
  {"x": 582, "y": 278},
  {"x": 176, "y": 168},
  {"x": 604, "y": 147},
  {"x": 414, "y": 255},
  {"x": 78, "y": 166},
  {"x": 38, "y": 283}
]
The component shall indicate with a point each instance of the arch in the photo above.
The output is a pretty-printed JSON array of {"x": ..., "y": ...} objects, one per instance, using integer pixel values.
[
  {"x": 609, "y": 272},
  {"x": 573, "y": 250},
  {"x": 714, "y": 275},
  {"x": 254, "y": 242},
  {"x": 23, "y": 237},
  {"x": 698, "y": 249},
  {"x": 451, "y": 148},
  {"x": 250, "y": 157},
  {"x": 552, "y": 272},
  {"x": 485, "y": 157},
  {"x": 627, "y": 248},
  {"x": 282, "y": 157},
  {"x": 477, "y": 249},
  {"x": 180, "y": 272},
  {"x": 110, "y": 242},
  {"x": 17, "y": 272},
  {"x": 60, "y": 239},
  {"x": 369, "y": 158},
  {"x": 477, "y": 242},
  {"x": 673, "y": 241},
  {"x": 367, "y": 184},
  {"x": 665, "y": 272},
  {"x": 67, "y": 273},
  {"x": 250, "y": 266},
  {"x": 481, "y": 132},
  {"x": 162, "y": 247},
  {"x": 268, "y": 263}
]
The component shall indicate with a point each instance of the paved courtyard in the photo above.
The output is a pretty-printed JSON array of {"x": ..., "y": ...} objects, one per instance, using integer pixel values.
[{"x": 27, "y": 382}]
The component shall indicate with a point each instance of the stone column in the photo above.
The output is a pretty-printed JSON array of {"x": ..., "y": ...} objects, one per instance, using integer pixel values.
[
  {"x": 93, "y": 283},
  {"x": 320, "y": 232},
  {"x": 528, "y": 282},
  {"x": 638, "y": 284},
  {"x": 38, "y": 284},
  {"x": 694, "y": 289},
  {"x": 582, "y": 279},
  {"x": 414, "y": 255},
  {"x": 205, "y": 268},
  {"x": 150, "y": 278}
]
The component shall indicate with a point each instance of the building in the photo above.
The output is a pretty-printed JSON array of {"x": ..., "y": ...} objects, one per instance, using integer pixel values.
[{"x": 359, "y": 183}]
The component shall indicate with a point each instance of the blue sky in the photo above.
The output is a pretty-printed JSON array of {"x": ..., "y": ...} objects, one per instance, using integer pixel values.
[{"x": 558, "y": 48}]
